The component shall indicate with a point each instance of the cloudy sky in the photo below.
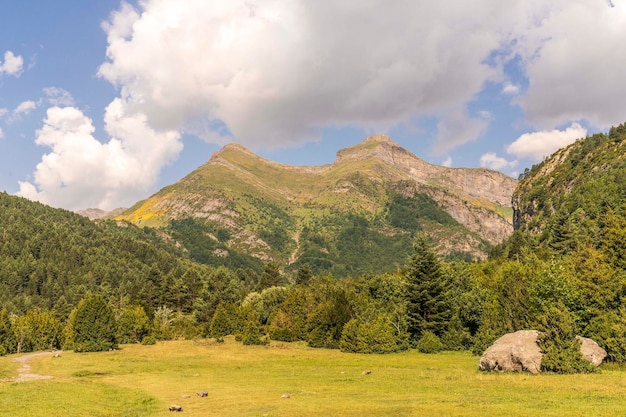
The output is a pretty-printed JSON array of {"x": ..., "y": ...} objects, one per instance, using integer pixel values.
[{"x": 102, "y": 102}]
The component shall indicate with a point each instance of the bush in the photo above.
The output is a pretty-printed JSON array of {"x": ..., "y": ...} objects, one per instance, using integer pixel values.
[
  {"x": 376, "y": 336},
  {"x": 148, "y": 340},
  {"x": 429, "y": 343},
  {"x": 609, "y": 331},
  {"x": 561, "y": 349},
  {"x": 252, "y": 331}
]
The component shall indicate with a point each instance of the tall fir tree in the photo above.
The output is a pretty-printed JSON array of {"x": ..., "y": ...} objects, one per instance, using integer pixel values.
[
  {"x": 94, "y": 326},
  {"x": 428, "y": 307}
]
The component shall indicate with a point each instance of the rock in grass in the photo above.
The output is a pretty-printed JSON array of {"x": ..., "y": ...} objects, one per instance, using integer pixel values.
[
  {"x": 591, "y": 351},
  {"x": 285, "y": 396},
  {"x": 367, "y": 372},
  {"x": 202, "y": 393},
  {"x": 520, "y": 351},
  {"x": 175, "y": 407},
  {"x": 513, "y": 352}
]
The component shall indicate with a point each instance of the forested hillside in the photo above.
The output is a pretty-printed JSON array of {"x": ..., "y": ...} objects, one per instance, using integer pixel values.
[
  {"x": 52, "y": 258},
  {"x": 562, "y": 272},
  {"x": 568, "y": 255}
]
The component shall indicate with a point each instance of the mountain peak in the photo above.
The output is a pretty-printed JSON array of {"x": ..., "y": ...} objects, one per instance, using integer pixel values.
[
  {"x": 375, "y": 146},
  {"x": 377, "y": 139}
]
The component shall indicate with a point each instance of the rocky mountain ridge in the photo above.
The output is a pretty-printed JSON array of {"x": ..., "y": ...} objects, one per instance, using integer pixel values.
[{"x": 278, "y": 212}]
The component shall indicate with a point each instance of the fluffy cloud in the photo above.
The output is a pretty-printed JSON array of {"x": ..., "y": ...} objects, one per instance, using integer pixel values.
[
  {"x": 24, "y": 107},
  {"x": 1, "y": 133},
  {"x": 510, "y": 89},
  {"x": 58, "y": 97},
  {"x": 457, "y": 128},
  {"x": 537, "y": 145},
  {"x": 492, "y": 161},
  {"x": 82, "y": 172},
  {"x": 574, "y": 70},
  {"x": 274, "y": 73},
  {"x": 12, "y": 64}
]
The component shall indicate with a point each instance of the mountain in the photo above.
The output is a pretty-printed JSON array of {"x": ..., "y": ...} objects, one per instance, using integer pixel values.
[
  {"x": 95, "y": 214},
  {"x": 576, "y": 196},
  {"x": 353, "y": 216}
]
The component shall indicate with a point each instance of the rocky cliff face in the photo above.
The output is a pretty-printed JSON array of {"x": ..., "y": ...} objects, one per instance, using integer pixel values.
[{"x": 258, "y": 200}]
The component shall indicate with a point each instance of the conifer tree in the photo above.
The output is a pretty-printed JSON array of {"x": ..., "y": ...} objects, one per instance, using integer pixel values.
[
  {"x": 220, "y": 323},
  {"x": 428, "y": 309},
  {"x": 8, "y": 344},
  {"x": 94, "y": 327}
]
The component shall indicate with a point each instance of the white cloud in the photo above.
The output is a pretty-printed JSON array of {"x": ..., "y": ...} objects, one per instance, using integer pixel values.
[
  {"x": 274, "y": 73},
  {"x": 24, "y": 108},
  {"x": 569, "y": 54},
  {"x": 3, "y": 111},
  {"x": 457, "y": 128},
  {"x": 58, "y": 97},
  {"x": 81, "y": 172},
  {"x": 510, "y": 89},
  {"x": 12, "y": 64},
  {"x": 447, "y": 162},
  {"x": 1, "y": 133},
  {"x": 492, "y": 161},
  {"x": 540, "y": 144}
]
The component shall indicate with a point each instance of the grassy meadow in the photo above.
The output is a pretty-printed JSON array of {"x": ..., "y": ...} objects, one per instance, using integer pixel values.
[{"x": 251, "y": 380}]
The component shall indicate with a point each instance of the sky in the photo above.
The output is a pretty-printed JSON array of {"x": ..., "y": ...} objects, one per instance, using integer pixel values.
[{"x": 102, "y": 103}]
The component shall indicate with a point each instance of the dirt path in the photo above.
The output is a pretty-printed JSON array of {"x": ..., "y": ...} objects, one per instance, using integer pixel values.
[
  {"x": 24, "y": 373},
  {"x": 294, "y": 255}
]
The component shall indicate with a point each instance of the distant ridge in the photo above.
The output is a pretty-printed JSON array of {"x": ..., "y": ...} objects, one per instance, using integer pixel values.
[{"x": 295, "y": 215}]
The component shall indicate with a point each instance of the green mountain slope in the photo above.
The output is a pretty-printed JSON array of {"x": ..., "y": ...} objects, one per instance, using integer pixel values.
[
  {"x": 52, "y": 258},
  {"x": 575, "y": 197},
  {"x": 355, "y": 215}
]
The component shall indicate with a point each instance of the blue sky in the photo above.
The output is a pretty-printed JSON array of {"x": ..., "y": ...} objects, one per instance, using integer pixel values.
[{"x": 103, "y": 103}]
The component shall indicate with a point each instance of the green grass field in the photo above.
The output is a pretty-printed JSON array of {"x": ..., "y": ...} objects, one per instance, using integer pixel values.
[{"x": 250, "y": 381}]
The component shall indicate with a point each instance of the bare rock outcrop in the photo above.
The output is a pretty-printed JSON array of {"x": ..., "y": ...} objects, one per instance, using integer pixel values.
[
  {"x": 520, "y": 352},
  {"x": 591, "y": 350},
  {"x": 513, "y": 352}
]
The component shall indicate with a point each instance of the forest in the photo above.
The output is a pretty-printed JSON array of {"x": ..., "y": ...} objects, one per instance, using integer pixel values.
[{"x": 69, "y": 283}]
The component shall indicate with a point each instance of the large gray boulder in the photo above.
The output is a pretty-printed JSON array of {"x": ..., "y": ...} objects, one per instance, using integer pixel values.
[
  {"x": 591, "y": 350},
  {"x": 519, "y": 352},
  {"x": 513, "y": 352}
]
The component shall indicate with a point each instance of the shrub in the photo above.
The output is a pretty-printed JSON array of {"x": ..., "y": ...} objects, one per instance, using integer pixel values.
[
  {"x": 561, "y": 349},
  {"x": 376, "y": 336},
  {"x": 148, "y": 340},
  {"x": 429, "y": 343}
]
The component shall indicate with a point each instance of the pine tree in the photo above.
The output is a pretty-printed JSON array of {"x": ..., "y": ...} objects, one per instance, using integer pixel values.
[
  {"x": 94, "y": 326},
  {"x": 270, "y": 277},
  {"x": 304, "y": 274},
  {"x": 220, "y": 323},
  {"x": 428, "y": 309}
]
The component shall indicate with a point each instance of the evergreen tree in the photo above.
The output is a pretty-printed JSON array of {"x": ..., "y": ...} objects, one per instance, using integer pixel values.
[
  {"x": 94, "y": 327},
  {"x": 8, "y": 344},
  {"x": 428, "y": 309},
  {"x": 304, "y": 274},
  {"x": 220, "y": 323},
  {"x": 270, "y": 277},
  {"x": 558, "y": 342}
]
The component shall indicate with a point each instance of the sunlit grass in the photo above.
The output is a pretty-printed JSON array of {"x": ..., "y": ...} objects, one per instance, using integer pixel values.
[{"x": 250, "y": 381}]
